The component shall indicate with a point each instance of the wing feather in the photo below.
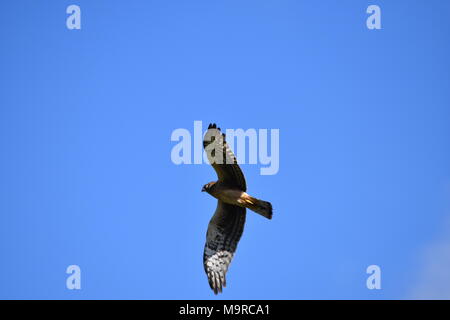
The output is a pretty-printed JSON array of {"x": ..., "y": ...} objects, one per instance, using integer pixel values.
[
  {"x": 222, "y": 159},
  {"x": 224, "y": 231}
]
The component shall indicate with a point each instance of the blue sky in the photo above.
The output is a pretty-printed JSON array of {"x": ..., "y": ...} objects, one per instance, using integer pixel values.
[{"x": 86, "y": 118}]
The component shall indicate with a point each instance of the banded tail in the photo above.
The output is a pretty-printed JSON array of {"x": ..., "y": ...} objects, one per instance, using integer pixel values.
[{"x": 264, "y": 208}]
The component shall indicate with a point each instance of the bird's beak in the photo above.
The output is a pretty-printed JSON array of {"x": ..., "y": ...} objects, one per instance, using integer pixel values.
[{"x": 203, "y": 189}]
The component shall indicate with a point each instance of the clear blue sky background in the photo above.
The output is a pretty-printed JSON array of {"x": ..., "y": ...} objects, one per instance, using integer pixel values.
[{"x": 86, "y": 117}]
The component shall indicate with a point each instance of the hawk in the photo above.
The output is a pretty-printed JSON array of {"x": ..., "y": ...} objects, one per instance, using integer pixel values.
[{"x": 226, "y": 226}]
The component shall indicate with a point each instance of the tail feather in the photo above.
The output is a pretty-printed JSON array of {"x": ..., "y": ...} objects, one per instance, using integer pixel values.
[{"x": 264, "y": 208}]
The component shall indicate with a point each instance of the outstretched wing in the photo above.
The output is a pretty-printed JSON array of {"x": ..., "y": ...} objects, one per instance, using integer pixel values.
[
  {"x": 222, "y": 159},
  {"x": 224, "y": 231}
]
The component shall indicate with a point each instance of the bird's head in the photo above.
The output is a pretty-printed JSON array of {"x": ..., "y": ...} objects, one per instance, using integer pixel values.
[{"x": 208, "y": 187}]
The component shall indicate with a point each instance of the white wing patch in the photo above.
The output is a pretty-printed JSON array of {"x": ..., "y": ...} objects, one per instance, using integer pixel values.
[{"x": 216, "y": 267}]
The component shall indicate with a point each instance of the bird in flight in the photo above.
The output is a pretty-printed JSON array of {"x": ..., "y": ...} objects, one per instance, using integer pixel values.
[{"x": 226, "y": 226}]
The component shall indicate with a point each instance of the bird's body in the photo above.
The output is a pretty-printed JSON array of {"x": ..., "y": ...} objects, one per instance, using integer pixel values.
[
  {"x": 239, "y": 198},
  {"x": 227, "y": 195},
  {"x": 227, "y": 224}
]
